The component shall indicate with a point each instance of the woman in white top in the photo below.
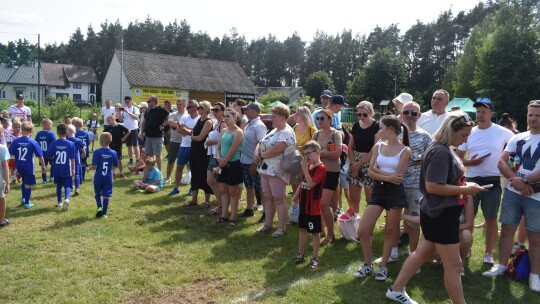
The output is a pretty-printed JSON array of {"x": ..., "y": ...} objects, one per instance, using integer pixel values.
[
  {"x": 211, "y": 144},
  {"x": 388, "y": 164}
]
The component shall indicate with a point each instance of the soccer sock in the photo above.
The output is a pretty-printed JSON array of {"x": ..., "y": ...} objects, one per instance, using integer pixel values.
[
  {"x": 28, "y": 195},
  {"x": 59, "y": 193},
  {"x": 68, "y": 192},
  {"x": 23, "y": 194},
  {"x": 83, "y": 174},
  {"x": 98, "y": 200},
  {"x": 105, "y": 205},
  {"x": 44, "y": 176},
  {"x": 77, "y": 181}
]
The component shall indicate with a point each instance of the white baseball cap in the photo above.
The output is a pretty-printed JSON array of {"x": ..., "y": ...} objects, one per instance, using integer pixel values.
[{"x": 404, "y": 98}]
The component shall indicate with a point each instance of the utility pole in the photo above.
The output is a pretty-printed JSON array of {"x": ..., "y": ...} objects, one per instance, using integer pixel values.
[
  {"x": 38, "y": 76},
  {"x": 121, "y": 66}
]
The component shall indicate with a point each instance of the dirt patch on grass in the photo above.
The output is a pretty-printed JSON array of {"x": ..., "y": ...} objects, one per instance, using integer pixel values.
[{"x": 199, "y": 291}]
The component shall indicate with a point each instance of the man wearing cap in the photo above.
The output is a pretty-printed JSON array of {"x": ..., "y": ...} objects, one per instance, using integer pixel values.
[
  {"x": 130, "y": 118},
  {"x": 155, "y": 119},
  {"x": 401, "y": 100},
  {"x": 20, "y": 110},
  {"x": 106, "y": 111},
  {"x": 336, "y": 104},
  {"x": 326, "y": 96},
  {"x": 485, "y": 146},
  {"x": 254, "y": 132},
  {"x": 432, "y": 119}
]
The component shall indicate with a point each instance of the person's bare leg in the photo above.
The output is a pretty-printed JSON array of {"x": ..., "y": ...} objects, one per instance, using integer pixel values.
[
  {"x": 452, "y": 271},
  {"x": 423, "y": 253}
]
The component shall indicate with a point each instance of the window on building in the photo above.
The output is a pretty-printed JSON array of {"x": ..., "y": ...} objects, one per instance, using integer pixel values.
[
  {"x": 3, "y": 94},
  {"x": 33, "y": 95},
  {"x": 77, "y": 96},
  {"x": 76, "y": 85}
]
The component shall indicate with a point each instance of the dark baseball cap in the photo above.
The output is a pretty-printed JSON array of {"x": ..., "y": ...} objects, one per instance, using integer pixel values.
[
  {"x": 255, "y": 106},
  {"x": 127, "y": 98},
  {"x": 338, "y": 99},
  {"x": 486, "y": 102},
  {"x": 327, "y": 93},
  {"x": 19, "y": 96}
]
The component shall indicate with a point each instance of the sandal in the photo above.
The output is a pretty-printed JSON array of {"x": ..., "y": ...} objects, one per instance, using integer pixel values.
[
  {"x": 314, "y": 263},
  {"x": 216, "y": 211},
  {"x": 264, "y": 228},
  {"x": 329, "y": 239},
  {"x": 190, "y": 204},
  {"x": 279, "y": 233},
  {"x": 4, "y": 223},
  {"x": 222, "y": 220},
  {"x": 300, "y": 258},
  {"x": 205, "y": 205},
  {"x": 232, "y": 223}
]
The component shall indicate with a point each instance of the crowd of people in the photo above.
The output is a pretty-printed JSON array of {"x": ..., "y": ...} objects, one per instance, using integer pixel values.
[{"x": 431, "y": 170}]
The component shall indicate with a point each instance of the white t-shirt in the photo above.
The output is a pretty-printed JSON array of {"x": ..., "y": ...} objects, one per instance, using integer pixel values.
[
  {"x": 529, "y": 161},
  {"x": 22, "y": 113},
  {"x": 175, "y": 136},
  {"x": 189, "y": 123},
  {"x": 129, "y": 122},
  {"x": 431, "y": 122},
  {"x": 482, "y": 142},
  {"x": 106, "y": 112}
]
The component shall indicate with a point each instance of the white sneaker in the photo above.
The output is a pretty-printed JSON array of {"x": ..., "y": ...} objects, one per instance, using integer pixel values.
[
  {"x": 382, "y": 274},
  {"x": 260, "y": 207},
  {"x": 495, "y": 271},
  {"x": 534, "y": 282},
  {"x": 399, "y": 296},
  {"x": 59, "y": 205},
  {"x": 391, "y": 259},
  {"x": 167, "y": 181},
  {"x": 66, "y": 205},
  {"x": 488, "y": 259},
  {"x": 364, "y": 271}
]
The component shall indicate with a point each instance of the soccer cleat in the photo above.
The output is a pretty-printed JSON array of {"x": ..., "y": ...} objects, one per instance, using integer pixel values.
[
  {"x": 495, "y": 271},
  {"x": 174, "y": 191},
  {"x": 104, "y": 216},
  {"x": 22, "y": 201},
  {"x": 76, "y": 193},
  {"x": 28, "y": 206},
  {"x": 66, "y": 205},
  {"x": 399, "y": 296},
  {"x": 382, "y": 274},
  {"x": 488, "y": 259},
  {"x": 99, "y": 212},
  {"x": 59, "y": 205},
  {"x": 364, "y": 271}
]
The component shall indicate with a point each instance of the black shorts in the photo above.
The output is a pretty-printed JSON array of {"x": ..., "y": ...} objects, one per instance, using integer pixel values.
[
  {"x": 231, "y": 174},
  {"x": 312, "y": 223},
  {"x": 331, "y": 180},
  {"x": 118, "y": 151},
  {"x": 388, "y": 195},
  {"x": 131, "y": 140},
  {"x": 443, "y": 229}
]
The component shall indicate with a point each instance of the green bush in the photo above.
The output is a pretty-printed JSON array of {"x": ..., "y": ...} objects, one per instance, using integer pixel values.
[{"x": 63, "y": 108}]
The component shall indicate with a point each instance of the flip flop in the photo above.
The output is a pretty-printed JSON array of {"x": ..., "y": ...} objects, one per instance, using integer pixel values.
[{"x": 190, "y": 204}]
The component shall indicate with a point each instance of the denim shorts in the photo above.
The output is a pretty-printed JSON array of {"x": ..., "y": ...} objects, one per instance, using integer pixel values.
[
  {"x": 343, "y": 182},
  {"x": 250, "y": 181},
  {"x": 413, "y": 203},
  {"x": 183, "y": 156},
  {"x": 515, "y": 205},
  {"x": 388, "y": 195}
]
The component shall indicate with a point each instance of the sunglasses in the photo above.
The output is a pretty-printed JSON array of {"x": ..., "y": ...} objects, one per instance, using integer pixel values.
[
  {"x": 189, "y": 107},
  {"x": 412, "y": 113},
  {"x": 216, "y": 110},
  {"x": 362, "y": 114},
  {"x": 480, "y": 99},
  {"x": 321, "y": 118},
  {"x": 306, "y": 154},
  {"x": 465, "y": 118}
]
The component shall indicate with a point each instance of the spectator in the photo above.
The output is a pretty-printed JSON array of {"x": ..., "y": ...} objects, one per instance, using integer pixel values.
[
  {"x": 364, "y": 136},
  {"x": 152, "y": 127},
  {"x": 152, "y": 180},
  {"x": 389, "y": 161},
  {"x": 130, "y": 118},
  {"x": 175, "y": 137},
  {"x": 211, "y": 144},
  {"x": 198, "y": 156},
  {"x": 4, "y": 183},
  {"x": 167, "y": 130},
  {"x": 432, "y": 119},
  {"x": 229, "y": 168},
  {"x": 19, "y": 110},
  {"x": 106, "y": 111},
  {"x": 303, "y": 132},
  {"x": 444, "y": 188},
  {"x": 237, "y": 106},
  {"x": 274, "y": 179}
]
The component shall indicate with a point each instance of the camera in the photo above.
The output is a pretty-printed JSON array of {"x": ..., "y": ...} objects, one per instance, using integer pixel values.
[{"x": 122, "y": 109}]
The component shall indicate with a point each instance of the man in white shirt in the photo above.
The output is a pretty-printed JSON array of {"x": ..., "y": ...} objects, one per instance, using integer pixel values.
[
  {"x": 19, "y": 110},
  {"x": 130, "y": 118},
  {"x": 106, "y": 111},
  {"x": 176, "y": 137},
  {"x": 485, "y": 146},
  {"x": 185, "y": 127},
  {"x": 432, "y": 119}
]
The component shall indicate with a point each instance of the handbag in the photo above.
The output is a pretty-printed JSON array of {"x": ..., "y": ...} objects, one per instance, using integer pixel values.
[
  {"x": 294, "y": 213},
  {"x": 292, "y": 162}
]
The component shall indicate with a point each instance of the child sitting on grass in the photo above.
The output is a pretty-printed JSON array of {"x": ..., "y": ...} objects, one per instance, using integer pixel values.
[
  {"x": 139, "y": 165},
  {"x": 309, "y": 195},
  {"x": 152, "y": 180},
  {"x": 104, "y": 161}
]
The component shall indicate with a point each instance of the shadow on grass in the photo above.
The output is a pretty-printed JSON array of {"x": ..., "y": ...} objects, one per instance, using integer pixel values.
[
  {"x": 81, "y": 220},
  {"x": 19, "y": 211}
]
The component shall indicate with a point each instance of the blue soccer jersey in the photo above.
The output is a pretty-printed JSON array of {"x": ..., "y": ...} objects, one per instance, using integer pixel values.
[
  {"x": 44, "y": 139},
  {"x": 79, "y": 146},
  {"x": 85, "y": 138},
  {"x": 23, "y": 149},
  {"x": 61, "y": 151},
  {"x": 105, "y": 159}
]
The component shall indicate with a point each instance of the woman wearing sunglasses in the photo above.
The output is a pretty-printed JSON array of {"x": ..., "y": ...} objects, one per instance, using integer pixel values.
[
  {"x": 364, "y": 135},
  {"x": 211, "y": 143},
  {"x": 330, "y": 141},
  {"x": 445, "y": 191}
]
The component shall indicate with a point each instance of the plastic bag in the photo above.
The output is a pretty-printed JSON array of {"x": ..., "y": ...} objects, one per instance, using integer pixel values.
[
  {"x": 349, "y": 227},
  {"x": 186, "y": 178}
]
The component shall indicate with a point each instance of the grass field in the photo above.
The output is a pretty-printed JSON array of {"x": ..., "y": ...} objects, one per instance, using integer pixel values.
[{"x": 152, "y": 250}]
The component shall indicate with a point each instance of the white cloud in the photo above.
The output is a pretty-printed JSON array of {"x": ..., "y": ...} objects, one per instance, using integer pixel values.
[{"x": 20, "y": 19}]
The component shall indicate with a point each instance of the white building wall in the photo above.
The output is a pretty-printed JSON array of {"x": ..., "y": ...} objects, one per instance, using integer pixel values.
[
  {"x": 111, "y": 84},
  {"x": 84, "y": 91},
  {"x": 28, "y": 91}
]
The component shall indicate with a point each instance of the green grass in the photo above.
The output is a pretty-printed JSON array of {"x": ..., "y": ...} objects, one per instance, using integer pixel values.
[{"x": 152, "y": 250}]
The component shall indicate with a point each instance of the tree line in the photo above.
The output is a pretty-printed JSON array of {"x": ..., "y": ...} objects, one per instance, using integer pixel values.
[{"x": 488, "y": 51}]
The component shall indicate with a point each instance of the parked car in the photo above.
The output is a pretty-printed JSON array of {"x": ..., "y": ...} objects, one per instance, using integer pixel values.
[
  {"x": 267, "y": 120},
  {"x": 82, "y": 103}
]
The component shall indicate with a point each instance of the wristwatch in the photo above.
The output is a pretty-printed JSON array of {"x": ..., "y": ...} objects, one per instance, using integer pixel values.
[{"x": 525, "y": 179}]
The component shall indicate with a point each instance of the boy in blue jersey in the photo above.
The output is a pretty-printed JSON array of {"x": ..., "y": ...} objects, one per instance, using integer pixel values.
[
  {"x": 62, "y": 152},
  {"x": 44, "y": 138},
  {"x": 104, "y": 161},
  {"x": 23, "y": 149},
  {"x": 79, "y": 155},
  {"x": 85, "y": 137}
]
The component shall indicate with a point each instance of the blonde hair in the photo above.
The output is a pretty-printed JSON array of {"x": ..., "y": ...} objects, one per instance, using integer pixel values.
[
  {"x": 27, "y": 127},
  {"x": 105, "y": 138},
  {"x": 16, "y": 122},
  {"x": 206, "y": 106},
  {"x": 454, "y": 122},
  {"x": 306, "y": 113},
  {"x": 71, "y": 130},
  {"x": 366, "y": 105},
  {"x": 78, "y": 122}
]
